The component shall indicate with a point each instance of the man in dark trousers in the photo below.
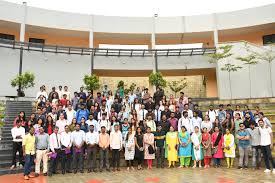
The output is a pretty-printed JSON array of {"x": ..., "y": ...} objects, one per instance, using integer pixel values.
[{"x": 160, "y": 148}]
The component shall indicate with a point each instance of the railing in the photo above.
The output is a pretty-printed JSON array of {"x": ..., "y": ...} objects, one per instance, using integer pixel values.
[{"x": 104, "y": 51}]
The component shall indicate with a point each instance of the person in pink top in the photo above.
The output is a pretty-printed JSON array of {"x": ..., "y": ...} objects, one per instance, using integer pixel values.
[
  {"x": 184, "y": 98},
  {"x": 217, "y": 145},
  {"x": 61, "y": 123},
  {"x": 22, "y": 117}
]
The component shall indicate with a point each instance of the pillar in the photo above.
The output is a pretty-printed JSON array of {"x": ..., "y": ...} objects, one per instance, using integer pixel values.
[
  {"x": 215, "y": 30},
  {"x": 23, "y": 23}
]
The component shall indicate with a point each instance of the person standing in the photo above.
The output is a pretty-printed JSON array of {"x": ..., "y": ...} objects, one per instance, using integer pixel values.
[
  {"x": 267, "y": 145},
  {"x": 139, "y": 153},
  {"x": 255, "y": 144},
  {"x": 82, "y": 112},
  {"x": 61, "y": 123},
  {"x": 229, "y": 148},
  {"x": 150, "y": 123},
  {"x": 149, "y": 153},
  {"x": 42, "y": 149},
  {"x": 104, "y": 143},
  {"x": 217, "y": 145},
  {"x": 184, "y": 147},
  {"x": 172, "y": 145},
  {"x": 92, "y": 139},
  {"x": 70, "y": 114},
  {"x": 197, "y": 155},
  {"x": 55, "y": 148},
  {"x": 185, "y": 121},
  {"x": 17, "y": 132},
  {"x": 66, "y": 144},
  {"x": 28, "y": 145},
  {"x": 116, "y": 146},
  {"x": 130, "y": 149},
  {"x": 206, "y": 145},
  {"x": 78, "y": 140},
  {"x": 160, "y": 146},
  {"x": 196, "y": 121},
  {"x": 244, "y": 143}
]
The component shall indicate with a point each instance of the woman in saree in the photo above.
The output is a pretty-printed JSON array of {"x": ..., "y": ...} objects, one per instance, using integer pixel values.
[
  {"x": 172, "y": 145},
  {"x": 229, "y": 148},
  {"x": 184, "y": 147}
]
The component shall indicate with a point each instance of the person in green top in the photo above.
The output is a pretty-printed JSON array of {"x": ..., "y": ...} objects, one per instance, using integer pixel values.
[
  {"x": 237, "y": 122},
  {"x": 160, "y": 146}
]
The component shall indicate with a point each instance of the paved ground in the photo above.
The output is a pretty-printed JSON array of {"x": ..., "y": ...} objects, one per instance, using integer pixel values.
[{"x": 190, "y": 175}]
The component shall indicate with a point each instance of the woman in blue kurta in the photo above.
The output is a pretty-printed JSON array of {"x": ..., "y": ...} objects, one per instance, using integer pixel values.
[{"x": 184, "y": 147}]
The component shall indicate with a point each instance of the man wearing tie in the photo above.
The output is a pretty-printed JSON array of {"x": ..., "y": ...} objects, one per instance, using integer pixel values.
[
  {"x": 66, "y": 145},
  {"x": 142, "y": 116},
  {"x": 55, "y": 147},
  {"x": 157, "y": 114}
]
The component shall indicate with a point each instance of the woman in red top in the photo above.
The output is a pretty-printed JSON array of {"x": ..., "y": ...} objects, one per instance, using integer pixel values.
[
  {"x": 22, "y": 117},
  {"x": 49, "y": 125}
]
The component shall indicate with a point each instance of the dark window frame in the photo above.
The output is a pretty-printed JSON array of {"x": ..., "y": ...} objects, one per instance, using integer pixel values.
[{"x": 7, "y": 36}]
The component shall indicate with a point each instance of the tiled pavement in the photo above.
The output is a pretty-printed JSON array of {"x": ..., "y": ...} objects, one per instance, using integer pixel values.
[{"x": 189, "y": 175}]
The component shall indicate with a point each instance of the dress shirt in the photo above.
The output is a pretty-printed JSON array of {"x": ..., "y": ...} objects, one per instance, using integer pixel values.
[
  {"x": 185, "y": 122},
  {"x": 94, "y": 123},
  {"x": 55, "y": 143},
  {"x": 116, "y": 140},
  {"x": 92, "y": 138},
  {"x": 70, "y": 115},
  {"x": 105, "y": 123},
  {"x": 142, "y": 114},
  {"x": 104, "y": 140},
  {"x": 77, "y": 137},
  {"x": 15, "y": 131},
  {"x": 29, "y": 143},
  {"x": 196, "y": 121},
  {"x": 66, "y": 139},
  {"x": 157, "y": 115},
  {"x": 42, "y": 141}
]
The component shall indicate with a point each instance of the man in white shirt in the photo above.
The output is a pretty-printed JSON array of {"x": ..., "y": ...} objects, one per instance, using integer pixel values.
[
  {"x": 157, "y": 114},
  {"x": 132, "y": 97},
  {"x": 142, "y": 113},
  {"x": 185, "y": 121},
  {"x": 92, "y": 139},
  {"x": 212, "y": 114},
  {"x": 66, "y": 91},
  {"x": 115, "y": 146},
  {"x": 92, "y": 121},
  {"x": 66, "y": 145},
  {"x": 61, "y": 123},
  {"x": 55, "y": 147},
  {"x": 60, "y": 92},
  {"x": 196, "y": 121},
  {"x": 189, "y": 111},
  {"x": 42, "y": 92},
  {"x": 109, "y": 103},
  {"x": 102, "y": 111},
  {"x": 71, "y": 114},
  {"x": 267, "y": 145},
  {"x": 78, "y": 140},
  {"x": 104, "y": 122},
  {"x": 17, "y": 132}
]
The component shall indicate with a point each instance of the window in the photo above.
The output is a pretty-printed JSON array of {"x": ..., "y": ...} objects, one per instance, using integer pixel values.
[
  {"x": 7, "y": 36},
  {"x": 268, "y": 39},
  {"x": 179, "y": 46},
  {"x": 37, "y": 41}
]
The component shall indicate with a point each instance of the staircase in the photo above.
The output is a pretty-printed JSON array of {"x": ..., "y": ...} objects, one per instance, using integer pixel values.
[{"x": 11, "y": 111}]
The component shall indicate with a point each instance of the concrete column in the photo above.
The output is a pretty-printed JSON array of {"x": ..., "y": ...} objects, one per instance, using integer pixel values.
[
  {"x": 91, "y": 33},
  {"x": 23, "y": 23},
  {"x": 153, "y": 42},
  {"x": 215, "y": 30}
]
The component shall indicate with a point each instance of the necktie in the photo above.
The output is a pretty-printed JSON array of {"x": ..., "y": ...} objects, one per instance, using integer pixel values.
[
  {"x": 142, "y": 114},
  {"x": 157, "y": 115}
]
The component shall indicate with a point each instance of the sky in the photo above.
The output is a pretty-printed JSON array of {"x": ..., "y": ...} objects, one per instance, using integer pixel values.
[{"x": 145, "y": 8}]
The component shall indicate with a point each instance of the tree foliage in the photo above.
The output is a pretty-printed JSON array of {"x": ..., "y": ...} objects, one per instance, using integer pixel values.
[
  {"x": 230, "y": 68},
  {"x": 91, "y": 82},
  {"x": 221, "y": 53},
  {"x": 130, "y": 89},
  {"x": 25, "y": 80},
  {"x": 120, "y": 84},
  {"x": 156, "y": 79},
  {"x": 177, "y": 86}
]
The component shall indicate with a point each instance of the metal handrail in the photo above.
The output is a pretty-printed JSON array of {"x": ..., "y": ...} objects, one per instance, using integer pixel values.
[{"x": 104, "y": 51}]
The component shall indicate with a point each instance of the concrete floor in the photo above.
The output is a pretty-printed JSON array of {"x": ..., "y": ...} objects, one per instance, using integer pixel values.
[{"x": 174, "y": 175}]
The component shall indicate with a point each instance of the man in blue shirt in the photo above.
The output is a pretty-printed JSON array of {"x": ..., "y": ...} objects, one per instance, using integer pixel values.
[
  {"x": 82, "y": 112},
  {"x": 243, "y": 137}
]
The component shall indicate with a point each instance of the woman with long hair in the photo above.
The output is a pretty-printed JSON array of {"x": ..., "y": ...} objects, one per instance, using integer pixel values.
[
  {"x": 83, "y": 125},
  {"x": 39, "y": 124},
  {"x": 229, "y": 148},
  {"x": 21, "y": 117},
  {"x": 49, "y": 126},
  {"x": 197, "y": 155},
  {"x": 30, "y": 123},
  {"x": 136, "y": 105},
  {"x": 217, "y": 145},
  {"x": 130, "y": 149},
  {"x": 206, "y": 124},
  {"x": 184, "y": 148},
  {"x": 139, "y": 153},
  {"x": 206, "y": 146},
  {"x": 172, "y": 145},
  {"x": 228, "y": 123},
  {"x": 149, "y": 153}
]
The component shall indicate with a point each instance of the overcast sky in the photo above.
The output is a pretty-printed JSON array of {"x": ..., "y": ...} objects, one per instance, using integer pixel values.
[{"x": 145, "y": 7}]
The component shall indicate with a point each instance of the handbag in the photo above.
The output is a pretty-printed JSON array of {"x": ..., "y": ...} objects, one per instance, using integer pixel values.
[
  {"x": 151, "y": 149},
  {"x": 214, "y": 150}
]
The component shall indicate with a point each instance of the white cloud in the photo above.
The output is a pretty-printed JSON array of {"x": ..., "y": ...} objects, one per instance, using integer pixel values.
[{"x": 145, "y": 7}]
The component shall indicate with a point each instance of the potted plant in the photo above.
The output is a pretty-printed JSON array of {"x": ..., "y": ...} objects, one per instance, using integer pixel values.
[
  {"x": 91, "y": 82},
  {"x": 23, "y": 81},
  {"x": 156, "y": 79}
]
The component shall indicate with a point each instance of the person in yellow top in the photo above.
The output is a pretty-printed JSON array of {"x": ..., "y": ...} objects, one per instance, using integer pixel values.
[
  {"x": 28, "y": 152},
  {"x": 229, "y": 148},
  {"x": 172, "y": 145}
]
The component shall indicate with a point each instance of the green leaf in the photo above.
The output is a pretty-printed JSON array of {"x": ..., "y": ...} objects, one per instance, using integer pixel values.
[
  {"x": 177, "y": 86},
  {"x": 91, "y": 82},
  {"x": 26, "y": 80},
  {"x": 156, "y": 79},
  {"x": 221, "y": 53}
]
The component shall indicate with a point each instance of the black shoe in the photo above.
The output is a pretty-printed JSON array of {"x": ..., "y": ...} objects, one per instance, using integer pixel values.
[
  {"x": 108, "y": 169},
  {"x": 56, "y": 173},
  {"x": 245, "y": 167},
  {"x": 45, "y": 174},
  {"x": 100, "y": 170},
  {"x": 89, "y": 171},
  {"x": 69, "y": 171},
  {"x": 36, "y": 174},
  {"x": 239, "y": 167},
  {"x": 81, "y": 171}
]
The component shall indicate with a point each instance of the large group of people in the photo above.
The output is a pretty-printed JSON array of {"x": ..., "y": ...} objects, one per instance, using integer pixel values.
[{"x": 73, "y": 128}]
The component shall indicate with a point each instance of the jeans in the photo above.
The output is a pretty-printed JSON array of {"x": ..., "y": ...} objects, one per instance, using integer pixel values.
[
  {"x": 66, "y": 161},
  {"x": 160, "y": 153},
  {"x": 217, "y": 161},
  {"x": 268, "y": 156},
  {"x": 54, "y": 162},
  {"x": 115, "y": 158},
  {"x": 243, "y": 161},
  {"x": 28, "y": 163},
  {"x": 78, "y": 160},
  {"x": 92, "y": 157},
  {"x": 256, "y": 156},
  {"x": 41, "y": 155},
  {"x": 104, "y": 157},
  {"x": 17, "y": 146}
]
